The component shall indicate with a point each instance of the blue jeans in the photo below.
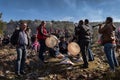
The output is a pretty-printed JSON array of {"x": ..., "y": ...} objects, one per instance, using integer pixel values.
[
  {"x": 21, "y": 57},
  {"x": 90, "y": 55},
  {"x": 109, "y": 49},
  {"x": 42, "y": 50}
]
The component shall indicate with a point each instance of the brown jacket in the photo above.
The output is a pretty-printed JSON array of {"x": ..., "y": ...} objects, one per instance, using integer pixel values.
[{"x": 108, "y": 33}]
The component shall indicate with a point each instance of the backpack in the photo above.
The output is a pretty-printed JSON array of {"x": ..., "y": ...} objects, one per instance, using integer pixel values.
[{"x": 14, "y": 37}]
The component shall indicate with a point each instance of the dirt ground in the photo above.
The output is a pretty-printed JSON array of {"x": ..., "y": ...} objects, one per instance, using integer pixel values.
[{"x": 53, "y": 70}]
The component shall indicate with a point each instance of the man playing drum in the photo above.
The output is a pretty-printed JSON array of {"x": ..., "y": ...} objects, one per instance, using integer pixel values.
[{"x": 42, "y": 35}]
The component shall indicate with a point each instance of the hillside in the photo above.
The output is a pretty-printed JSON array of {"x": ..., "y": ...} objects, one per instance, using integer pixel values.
[{"x": 54, "y": 24}]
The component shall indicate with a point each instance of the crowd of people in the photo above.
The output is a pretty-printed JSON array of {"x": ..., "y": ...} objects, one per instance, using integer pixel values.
[
  {"x": 82, "y": 36},
  {"x": 36, "y": 42}
]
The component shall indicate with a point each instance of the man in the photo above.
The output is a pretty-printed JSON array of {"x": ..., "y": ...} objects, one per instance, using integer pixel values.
[
  {"x": 21, "y": 49},
  {"x": 63, "y": 45},
  {"x": 83, "y": 41},
  {"x": 42, "y": 34},
  {"x": 108, "y": 41},
  {"x": 90, "y": 54}
]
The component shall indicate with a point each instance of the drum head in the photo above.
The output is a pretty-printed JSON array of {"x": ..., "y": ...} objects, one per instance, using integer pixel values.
[
  {"x": 73, "y": 48},
  {"x": 51, "y": 41}
]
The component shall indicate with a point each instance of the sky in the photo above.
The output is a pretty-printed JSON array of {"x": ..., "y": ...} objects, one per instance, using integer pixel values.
[{"x": 62, "y": 10}]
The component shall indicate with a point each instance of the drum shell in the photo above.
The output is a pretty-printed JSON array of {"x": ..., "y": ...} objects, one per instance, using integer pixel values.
[
  {"x": 51, "y": 41},
  {"x": 73, "y": 48}
]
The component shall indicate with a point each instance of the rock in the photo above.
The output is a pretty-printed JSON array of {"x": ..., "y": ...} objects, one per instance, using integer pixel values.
[
  {"x": 5, "y": 50},
  {"x": 51, "y": 76},
  {"x": 100, "y": 66},
  {"x": 7, "y": 71},
  {"x": 10, "y": 77},
  {"x": 70, "y": 68},
  {"x": 41, "y": 78},
  {"x": 81, "y": 70},
  {"x": 89, "y": 75}
]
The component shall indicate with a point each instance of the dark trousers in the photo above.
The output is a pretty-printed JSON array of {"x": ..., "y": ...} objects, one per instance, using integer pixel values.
[
  {"x": 63, "y": 51},
  {"x": 21, "y": 57},
  {"x": 52, "y": 52},
  {"x": 84, "y": 50},
  {"x": 42, "y": 49}
]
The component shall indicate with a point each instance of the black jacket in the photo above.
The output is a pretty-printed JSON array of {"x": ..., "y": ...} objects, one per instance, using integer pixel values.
[{"x": 83, "y": 33}]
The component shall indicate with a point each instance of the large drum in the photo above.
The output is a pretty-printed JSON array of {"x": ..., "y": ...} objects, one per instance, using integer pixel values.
[
  {"x": 51, "y": 41},
  {"x": 73, "y": 48}
]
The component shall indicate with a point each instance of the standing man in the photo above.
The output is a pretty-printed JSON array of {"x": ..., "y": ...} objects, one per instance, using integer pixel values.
[
  {"x": 21, "y": 49},
  {"x": 42, "y": 34},
  {"x": 108, "y": 41},
  {"x": 90, "y": 53},
  {"x": 83, "y": 41}
]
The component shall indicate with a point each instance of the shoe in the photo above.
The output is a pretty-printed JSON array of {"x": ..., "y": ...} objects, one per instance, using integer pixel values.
[
  {"x": 91, "y": 60},
  {"x": 23, "y": 72},
  {"x": 112, "y": 71},
  {"x": 84, "y": 66},
  {"x": 17, "y": 73},
  {"x": 117, "y": 65}
]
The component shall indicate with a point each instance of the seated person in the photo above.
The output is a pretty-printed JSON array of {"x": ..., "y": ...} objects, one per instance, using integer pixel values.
[
  {"x": 35, "y": 43},
  {"x": 63, "y": 45},
  {"x": 60, "y": 51},
  {"x": 65, "y": 59}
]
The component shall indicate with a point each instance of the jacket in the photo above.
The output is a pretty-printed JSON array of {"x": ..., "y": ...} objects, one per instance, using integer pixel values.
[
  {"x": 108, "y": 33},
  {"x": 84, "y": 33}
]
